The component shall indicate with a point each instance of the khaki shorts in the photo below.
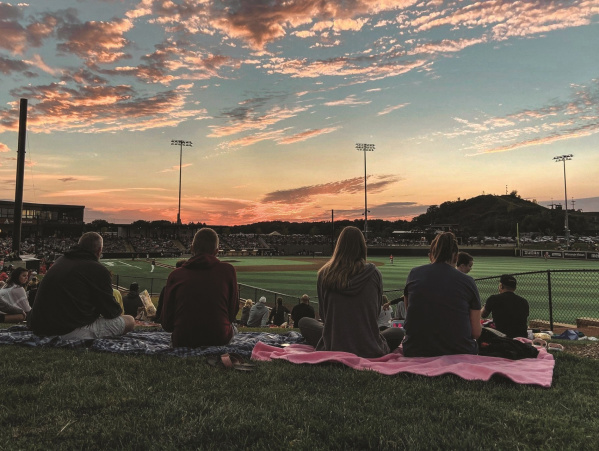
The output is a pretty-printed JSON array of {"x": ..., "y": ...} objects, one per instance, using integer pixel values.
[{"x": 100, "y": 328}]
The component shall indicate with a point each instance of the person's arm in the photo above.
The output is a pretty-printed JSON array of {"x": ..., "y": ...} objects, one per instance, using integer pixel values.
[
  {"x": 484, "y": 312},
  {"x": 104, "y": 300},
  {"x": 167, "y": 318},
  {"x": 265, "y": 319},
  {"x": 405, "y": 303},
  {"x": 475, "y": 323}
]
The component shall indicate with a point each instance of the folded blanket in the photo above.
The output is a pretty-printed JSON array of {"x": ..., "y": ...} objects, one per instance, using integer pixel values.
[
  {"x": 148, "y": 342},
  {"x": 537, "y": 371}
]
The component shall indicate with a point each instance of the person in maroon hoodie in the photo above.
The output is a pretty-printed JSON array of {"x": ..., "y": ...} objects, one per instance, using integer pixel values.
[{"x": 201, "y": 298}]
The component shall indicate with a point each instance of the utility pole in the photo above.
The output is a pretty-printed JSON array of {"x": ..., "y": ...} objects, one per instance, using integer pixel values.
[
  {"x": 365, "y": 148},
  {"x": 18, "y": 211},
  {"x": 557, "y": 159}
]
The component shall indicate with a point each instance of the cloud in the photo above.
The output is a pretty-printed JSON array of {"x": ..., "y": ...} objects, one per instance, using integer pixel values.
[
  {"x": 95, "y": 41},
  {"x": 249, "y": 119},
  {"x": 389, "y": 109},
  {"x": 176, "y": 168},
  {"x": 96, "y": 192},
  {"x": 4, "y": 148},
  {"x": 298, "y": 137},
  {"x": 348, "y": 101},
  {"x": 559, "y": 120},
  {"x": 348, "y": 186},
  {"x": 98, "y": 108},
  {"x": 8, "y": 65}
]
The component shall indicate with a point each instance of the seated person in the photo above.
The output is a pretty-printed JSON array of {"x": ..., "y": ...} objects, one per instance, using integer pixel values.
[
  {"x": 386, "y": 314},
  {"x": 75, "y": 300},
  {"x": 465, "y": 262},
  {"x": 301, "y": 310},
  {"x": 132, "y": 301},
  {"x": 118, "y": 297},
  {"x": 245, "y": 312},
  {"x": 443, "y": 305},
  {"x": 509, "y": 311},
  {"x": 201, "y": 298},
  {"x": 277, "y": 314},
  {"x": 400, "y": 311},
  {"x": 350, "y": 291},
  {"x": 258, "y": 314},
  {"x": 14, "y": 305}
]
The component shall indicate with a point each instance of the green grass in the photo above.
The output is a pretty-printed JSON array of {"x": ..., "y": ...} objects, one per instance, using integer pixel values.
[
  {"x": 573, "y": 296},
  {"x": 65, "y": 399}
]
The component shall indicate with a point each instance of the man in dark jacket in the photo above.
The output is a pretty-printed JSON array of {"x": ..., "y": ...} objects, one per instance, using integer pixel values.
[
  {"x": 74, "y": 299},
  {"x": 201, "y": 299},
  {"x": 301, "y": 310}
]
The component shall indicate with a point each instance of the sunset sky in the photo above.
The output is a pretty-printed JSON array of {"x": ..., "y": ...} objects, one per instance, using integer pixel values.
[{"x": 460, "y": 98}]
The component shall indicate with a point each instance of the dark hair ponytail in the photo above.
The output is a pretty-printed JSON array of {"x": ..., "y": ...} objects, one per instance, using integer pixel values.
[{"x": 444, "y": 247}]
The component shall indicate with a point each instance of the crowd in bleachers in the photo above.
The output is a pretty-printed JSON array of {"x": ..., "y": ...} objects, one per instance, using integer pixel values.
[
  {"x": 240, "y": 241},
  {"x": 114, "y": 244},
  {"x": 143, "y": 245}
]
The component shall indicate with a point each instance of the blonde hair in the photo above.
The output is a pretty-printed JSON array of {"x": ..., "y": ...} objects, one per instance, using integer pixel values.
[
  {"x": 349, "y": 259},
  {"x": 248, "y": 303},
  {"x": 444, "y": 248}
]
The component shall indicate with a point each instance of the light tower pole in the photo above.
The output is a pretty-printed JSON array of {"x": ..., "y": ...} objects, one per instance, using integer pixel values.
[
  {"x": 180, "y": 143},
  {"x": 361, "y": 147},
  {"x": 564, "y": 158}
]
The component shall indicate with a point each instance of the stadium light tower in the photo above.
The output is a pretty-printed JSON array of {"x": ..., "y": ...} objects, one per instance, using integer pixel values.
[
  {"x": 564, "y": 158},
  {"x": 365, "y": 148},
  {"x": 180, "y": 143}
]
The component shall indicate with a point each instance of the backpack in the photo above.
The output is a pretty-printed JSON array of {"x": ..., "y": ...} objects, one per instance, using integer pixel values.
[{"x": 494, "y": 344}]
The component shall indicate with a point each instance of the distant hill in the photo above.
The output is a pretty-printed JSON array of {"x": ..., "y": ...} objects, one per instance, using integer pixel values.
[{"x": 498, "y": 215}]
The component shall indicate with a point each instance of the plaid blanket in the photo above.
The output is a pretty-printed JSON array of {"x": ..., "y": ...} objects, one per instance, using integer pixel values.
[{"x": 148, "y": 342}]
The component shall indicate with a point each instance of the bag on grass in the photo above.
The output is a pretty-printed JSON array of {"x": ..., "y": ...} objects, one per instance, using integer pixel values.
[
  {"x": 569, "y": 334},
  {"x": 495, "y": 344}
]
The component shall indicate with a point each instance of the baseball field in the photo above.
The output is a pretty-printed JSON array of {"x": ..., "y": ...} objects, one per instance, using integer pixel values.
[{"x": 573, "y": 291}]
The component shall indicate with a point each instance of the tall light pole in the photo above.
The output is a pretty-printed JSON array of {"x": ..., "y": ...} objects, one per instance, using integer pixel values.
[
  {"x": 361, "y": 147},
  {"x": 180, "y": 143},
  {"x": 564, "y": 158}
]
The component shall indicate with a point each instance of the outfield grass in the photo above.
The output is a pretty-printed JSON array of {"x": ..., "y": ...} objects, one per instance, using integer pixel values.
[
  {"x": 74, "y": 399},
  {"x": 573, "y": 295}
]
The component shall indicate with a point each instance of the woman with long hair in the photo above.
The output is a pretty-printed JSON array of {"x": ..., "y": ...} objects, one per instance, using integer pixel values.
[
  {"x": 14, "y": 304},
  {"x": 442, "y": 304},
  {"x": 350, "y": 291}
]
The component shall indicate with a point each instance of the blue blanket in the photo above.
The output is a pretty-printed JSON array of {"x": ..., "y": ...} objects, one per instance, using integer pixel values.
[{"x": 155, "y": 342}]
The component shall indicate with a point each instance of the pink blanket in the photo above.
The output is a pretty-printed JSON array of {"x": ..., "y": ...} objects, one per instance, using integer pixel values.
[{"x": 537, "y": 371}]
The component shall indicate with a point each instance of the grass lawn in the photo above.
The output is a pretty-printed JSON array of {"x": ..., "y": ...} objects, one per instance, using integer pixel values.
[{"x": 74, "y": 399}]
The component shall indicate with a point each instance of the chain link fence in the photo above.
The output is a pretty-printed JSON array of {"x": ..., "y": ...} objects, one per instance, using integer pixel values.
[
  {"x": 153, "y": 285},
  {"x": 554, "y": 296}
]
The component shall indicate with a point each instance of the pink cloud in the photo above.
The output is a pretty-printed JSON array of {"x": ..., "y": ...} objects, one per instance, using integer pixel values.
[
  {"x": 96, "y": 42},
  {"x": 298, "y": 137},
  {"x": 348, "y": 186}
]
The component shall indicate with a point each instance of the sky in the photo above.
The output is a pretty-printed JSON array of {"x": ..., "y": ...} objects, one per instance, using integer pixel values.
[{"x": 459, "y": 98}]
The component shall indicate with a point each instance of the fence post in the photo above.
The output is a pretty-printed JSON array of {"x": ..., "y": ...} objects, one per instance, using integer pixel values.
[
  {"x": 117, "y": 281},
  {"x": 256, "y": 295},
  {"x": 550, "y": 299},
  {"x": 151, "y": 286}
]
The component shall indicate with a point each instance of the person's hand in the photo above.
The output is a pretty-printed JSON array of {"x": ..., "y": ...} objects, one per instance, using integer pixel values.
[{"x": 386, "y": 306}]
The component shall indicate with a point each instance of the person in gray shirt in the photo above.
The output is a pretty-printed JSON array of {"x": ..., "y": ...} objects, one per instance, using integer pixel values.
[{"x": 259, "y": 314}]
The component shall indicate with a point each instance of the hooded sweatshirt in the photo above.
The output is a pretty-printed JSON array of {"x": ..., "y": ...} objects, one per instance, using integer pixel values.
[
  {"x": 258, "y": 315},
  {"x": 350, "y": 315},
  {"x": 201, "y": 301},
  {"x": 75, "y": 291}
]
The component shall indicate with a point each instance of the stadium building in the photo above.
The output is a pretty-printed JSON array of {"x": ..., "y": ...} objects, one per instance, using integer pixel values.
[{"x": 42, "y": 219}]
